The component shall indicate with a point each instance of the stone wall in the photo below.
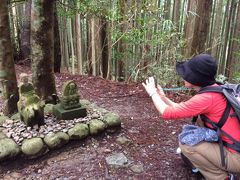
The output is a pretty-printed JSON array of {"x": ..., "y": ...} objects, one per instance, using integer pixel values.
[{"x": 16, "y": 139}]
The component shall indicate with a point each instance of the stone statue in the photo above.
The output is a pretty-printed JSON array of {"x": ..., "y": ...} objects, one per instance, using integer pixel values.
[
  {"x": 69, "y": 106},
  {"x": 30, "y": 107},
  {"x": 70, "y": 98}
]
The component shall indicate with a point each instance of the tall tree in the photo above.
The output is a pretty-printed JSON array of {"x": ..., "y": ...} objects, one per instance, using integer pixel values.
[
  {"x": 228, "y": 41},
  {"x": 92, "y": 56},
  {"x": 57, "y": 48},
  {"x": 7, "y": 70},
  {"x": 105, "y": 48},
  {"x": 167, "y": 9},
  {"x": 232, "y": 64},
  {"x": 25, "y": 32},
  {"x": 224, "y": 37},
  {"x": 70, "y": 37},
  {"x": 79, "y": 48},
  {"x": 42, "y": 20},
  {"x": 121, "y": 62},
  {"x": 14, "y": 32},
  {"x": 201, "y": 27},
  {"x": 216, "y": 28},
  {"x": 188, "y": 32},
  {"x": 176, "y": 13}
]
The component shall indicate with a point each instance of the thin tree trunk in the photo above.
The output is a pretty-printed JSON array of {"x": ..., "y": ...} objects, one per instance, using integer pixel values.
[
  {"x": 66, "y": 51},
  {"x": 17, "y": 39},
  {"x": 224, "y": 39},
  {"x": 98, "y": 45},
  {"x": 19, "y": 21},
  {"x": 201, "y": 27},
  {"x": 121, "y": 71},
  {"x": 229, "y": 60},
  {"x": 189, "y": 30},
  {"x": 13, "y": 32},
  {"x": 110, "y": 50},
  {"x": 25, "y": 33},
  {"x": 92, "y": 50},
  {"x": 234, "y": 58},
  {"x": 104, "y": 40},
  {"x": 7, "y": 70},
  {"x": 176, "y": 13},
  {"x": 211, "y": 28},
  {"x": 70, "y": 36},
  {"x": 57, "y": 48},
  {"x": 217, "y": 29},
  {"x": 167, "y": 9},
  {"x": 79, "y": 53}
]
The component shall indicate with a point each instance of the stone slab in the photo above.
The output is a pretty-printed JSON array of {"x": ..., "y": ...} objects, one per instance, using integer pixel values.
[{"x": 61, "y": 113}]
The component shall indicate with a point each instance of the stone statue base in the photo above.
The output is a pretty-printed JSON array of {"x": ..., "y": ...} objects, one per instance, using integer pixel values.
[{"x": 61, "y": 113}]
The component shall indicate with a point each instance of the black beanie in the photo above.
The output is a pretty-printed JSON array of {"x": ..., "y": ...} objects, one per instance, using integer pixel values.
[{"x": 199, "y": 71}]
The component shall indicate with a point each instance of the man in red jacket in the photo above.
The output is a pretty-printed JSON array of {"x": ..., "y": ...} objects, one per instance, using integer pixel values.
[{"x": 200, "y": 72}]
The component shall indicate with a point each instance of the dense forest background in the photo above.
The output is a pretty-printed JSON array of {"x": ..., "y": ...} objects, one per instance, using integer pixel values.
[{"x": 120, "y": 40}]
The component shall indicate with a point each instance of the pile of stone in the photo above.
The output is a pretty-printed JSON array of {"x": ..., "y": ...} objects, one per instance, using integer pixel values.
[{"x": 17, "y": 138}]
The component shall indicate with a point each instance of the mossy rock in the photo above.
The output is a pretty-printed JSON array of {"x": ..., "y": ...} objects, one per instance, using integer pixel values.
[
  {"x": 3, "y": 119},
  {"x": 56, "y": 140},
  {"x": 85, "y": 102},
  {"x": 2, "y": 135},
  {"x": 48, "y": 109},
  {"x": 15, "y": 116},
  {"x": 33, "y": 114},
  {"x": 79, "y": 131},
  {"x": 33, "y": 147},
  {"x": 93, "y": 106},
  {"x": 102, "y": 110},
  {"x": 31, "y": 98},
  {"x": 8, "y": 149},
  {"x": 112, "y": 120},
  {"x": 96, "y": 126}
]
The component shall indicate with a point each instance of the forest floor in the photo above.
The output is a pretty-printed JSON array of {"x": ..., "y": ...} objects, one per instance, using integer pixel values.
[{"x": 151, "y": 147}]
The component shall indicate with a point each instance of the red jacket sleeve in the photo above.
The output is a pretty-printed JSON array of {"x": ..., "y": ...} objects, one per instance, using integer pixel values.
[{"x": 198, "y": 104}]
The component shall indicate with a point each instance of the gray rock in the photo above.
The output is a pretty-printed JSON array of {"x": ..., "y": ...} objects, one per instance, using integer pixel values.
[
  {"x": 3, "y": 119},
  {"x": 122, "y": 140},
  {"x": 2, "y": 135},
  {"x": 96, "y": 126},
  {"x": 9, "y": 134},
  {"x": 56, "y": 140},
  {"x": 137, "y": 168},
  {"x": 13, "y": 175},
  {"x": 9, "y": 122},
  {"x": 102, "y": 110},
  {"x": 112, "y": 120},
  {"x": 95, "y": 115},
  {"x": 79, "y": 131},
  {"x": 33, "y": 147},
  {"x": 117, "y": 160},
  {"x": 48, "y": 109},
  {"x": 84, "y": 102},
  {"x": 15, "y": 116},
  {"x": 8, "y": 148},
  {"x": 93, "y": 106}
]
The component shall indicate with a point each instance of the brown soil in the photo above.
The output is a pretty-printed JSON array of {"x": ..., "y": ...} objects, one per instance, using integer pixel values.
[{"x": 153, "y": 140}]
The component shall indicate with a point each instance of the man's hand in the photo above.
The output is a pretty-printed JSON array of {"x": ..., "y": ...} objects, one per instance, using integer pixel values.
[{"x": 150, "y": 86}]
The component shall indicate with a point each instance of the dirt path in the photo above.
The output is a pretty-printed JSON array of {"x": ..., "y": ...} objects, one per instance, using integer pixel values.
[{"x": 152, "y": 146}]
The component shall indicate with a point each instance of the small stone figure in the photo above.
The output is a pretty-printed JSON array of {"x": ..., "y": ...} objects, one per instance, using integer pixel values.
[
  {"x": 30, "y": 107},
  {"x": 70, "y": 97},
  {"x": 69, "y": 107}
]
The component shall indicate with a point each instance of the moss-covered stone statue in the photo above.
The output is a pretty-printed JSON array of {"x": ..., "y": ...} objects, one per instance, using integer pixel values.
[
  {"x": 69, "y": 107},
  {"x": 30, "y": 107}
]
